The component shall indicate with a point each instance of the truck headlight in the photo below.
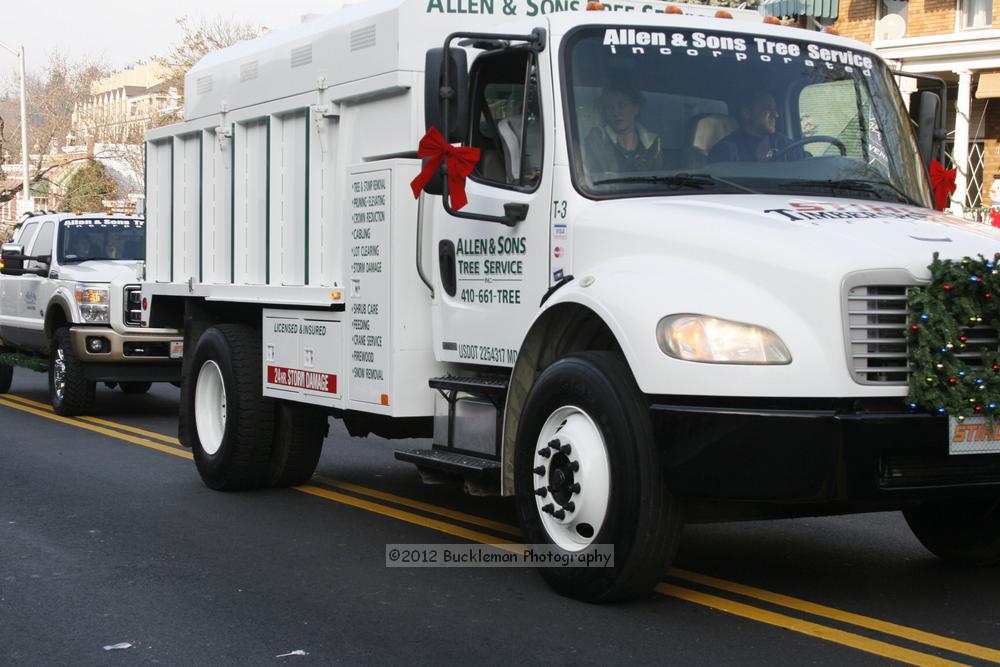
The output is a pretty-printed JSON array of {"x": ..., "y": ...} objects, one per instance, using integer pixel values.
[
  {"x": 94, "y": 302},
  {"x": 711, "y": 340}
]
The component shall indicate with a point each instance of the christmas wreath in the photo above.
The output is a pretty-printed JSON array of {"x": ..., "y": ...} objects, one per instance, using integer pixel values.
[{"x": 955, "y": 312}]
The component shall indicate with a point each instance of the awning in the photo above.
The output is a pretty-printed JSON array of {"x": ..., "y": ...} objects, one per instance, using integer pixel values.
[
  {"x": 820, "y": 9},
  {"x": 989, "y": 85}
]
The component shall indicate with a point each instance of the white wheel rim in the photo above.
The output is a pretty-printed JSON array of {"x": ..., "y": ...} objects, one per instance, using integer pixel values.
[
  {"x": 571, "y": 466},
  {"x": 210, "y": 407}
]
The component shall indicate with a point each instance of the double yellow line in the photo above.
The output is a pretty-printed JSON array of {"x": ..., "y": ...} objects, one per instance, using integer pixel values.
[{"x": 449, "y": 521}]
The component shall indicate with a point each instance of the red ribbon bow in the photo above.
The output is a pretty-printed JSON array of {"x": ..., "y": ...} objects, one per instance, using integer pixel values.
[
  {"x": 943, "y": 183},
  {"x": 460, "y": 160}
]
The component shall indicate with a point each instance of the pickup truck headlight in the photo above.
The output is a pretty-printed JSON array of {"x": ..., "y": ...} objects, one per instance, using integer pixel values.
[
  {"x": 94, "y": 302},
  {"x": 711, "y": 340}
]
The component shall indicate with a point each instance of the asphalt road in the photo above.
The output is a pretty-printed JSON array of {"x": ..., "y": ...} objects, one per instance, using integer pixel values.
[{"x": 107, "y": 536}]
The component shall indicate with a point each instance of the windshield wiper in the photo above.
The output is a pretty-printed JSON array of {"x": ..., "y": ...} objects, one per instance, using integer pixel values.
[
  {"x": 77, "y": 260},
  {"x": 679, "y": 181},
  {"x": 853, "y": 184}
]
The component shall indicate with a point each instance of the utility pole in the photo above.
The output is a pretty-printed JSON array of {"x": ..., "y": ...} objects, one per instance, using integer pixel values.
[{"x": 27, "y": 203}]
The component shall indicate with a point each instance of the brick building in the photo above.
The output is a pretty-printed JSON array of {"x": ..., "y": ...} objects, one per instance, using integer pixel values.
[{"x": 958, "y": 41}]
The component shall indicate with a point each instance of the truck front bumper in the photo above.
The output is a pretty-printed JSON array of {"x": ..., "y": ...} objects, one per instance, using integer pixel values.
[
  {"x": 744, "y": 462},
  {"x": 129, "y": 352}
]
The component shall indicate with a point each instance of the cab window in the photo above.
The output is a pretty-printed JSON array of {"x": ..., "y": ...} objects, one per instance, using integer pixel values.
[
  {"x": 42, "y": 245},
  {"x": 506, "y": 119},
  {"x": 26, "y": 234}
]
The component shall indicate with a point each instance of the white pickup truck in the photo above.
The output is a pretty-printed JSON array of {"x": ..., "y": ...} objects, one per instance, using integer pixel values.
[{"x": 69, "y": 305}]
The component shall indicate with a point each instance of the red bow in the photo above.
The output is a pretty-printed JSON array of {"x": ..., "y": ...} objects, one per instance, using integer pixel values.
[
  {"x": 943, "y": 183},
  {"x": 461, "y": 160}
]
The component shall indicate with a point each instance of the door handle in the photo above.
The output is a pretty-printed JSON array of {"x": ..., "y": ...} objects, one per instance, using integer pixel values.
[{"x": 446, "y": 260}]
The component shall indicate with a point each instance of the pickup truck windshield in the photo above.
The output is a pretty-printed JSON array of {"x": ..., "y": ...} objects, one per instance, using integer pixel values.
[
  {"x": 86, "y": 239},
  {"x": 677, "y": 111}
]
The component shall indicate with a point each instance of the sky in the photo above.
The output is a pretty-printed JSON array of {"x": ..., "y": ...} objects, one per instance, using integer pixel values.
[{"x": 121, "y": 32}]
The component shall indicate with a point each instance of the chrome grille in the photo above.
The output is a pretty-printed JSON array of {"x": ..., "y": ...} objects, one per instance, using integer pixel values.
[
  {"x": 133, "y": 306},
  {"x": 877, "y": 320}
]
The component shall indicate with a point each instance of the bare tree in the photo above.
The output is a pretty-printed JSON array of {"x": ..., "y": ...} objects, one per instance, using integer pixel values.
[
  {"x": 197, "y": 41},
  {"x": 52, "y": 94}
]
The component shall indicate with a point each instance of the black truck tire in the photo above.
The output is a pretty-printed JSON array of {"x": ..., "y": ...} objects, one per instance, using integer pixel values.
[
  {"x": 70, "y": 392},
  {"x": 963, "y": 531},
  {"x": 299, "y": 431},
  {"x": 585, "y": 442},
  {"x": 6, "y": 377},
  {"x": 230, "y": 424},
  {"x": 135, "y": 387}
]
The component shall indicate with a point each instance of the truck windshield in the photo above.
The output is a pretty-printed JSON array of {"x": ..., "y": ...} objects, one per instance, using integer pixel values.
[
  {"x": 85, "y": 239},
  {"x": 677, "y": 111}
]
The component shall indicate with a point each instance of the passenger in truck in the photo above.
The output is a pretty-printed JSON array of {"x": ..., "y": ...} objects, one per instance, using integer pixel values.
[
  {"x": 621, "y": 143},
  {"x": 757, "y": 138}
]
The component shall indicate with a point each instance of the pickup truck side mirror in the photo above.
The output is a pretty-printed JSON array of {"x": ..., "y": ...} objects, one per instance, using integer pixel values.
[{"x": 12, "y": 257}]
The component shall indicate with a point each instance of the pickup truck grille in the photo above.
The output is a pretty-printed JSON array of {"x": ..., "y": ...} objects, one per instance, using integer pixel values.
[
  {"x": 133, "y": 306},
  {"x": 876, "y": 330}
]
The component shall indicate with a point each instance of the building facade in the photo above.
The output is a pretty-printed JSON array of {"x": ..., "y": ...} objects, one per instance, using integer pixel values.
[
  {"x": 124, "y": 105},
  {"x": 955, "y": 40}
]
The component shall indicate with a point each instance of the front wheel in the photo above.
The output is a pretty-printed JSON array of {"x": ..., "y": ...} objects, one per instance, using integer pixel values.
[
  {"x": 587, "y": 472},
  {"x": 69, "y": 390},
  {"x": 229, "y": 423},
  {"x": 961, "y": 531}
]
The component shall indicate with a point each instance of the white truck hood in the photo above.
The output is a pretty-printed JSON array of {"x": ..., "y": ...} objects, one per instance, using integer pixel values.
[
  {"x": 100, "y": 271},
  {"x": 828, "y": 237}
]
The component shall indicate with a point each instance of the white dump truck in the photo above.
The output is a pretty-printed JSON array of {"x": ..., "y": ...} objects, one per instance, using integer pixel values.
[{"x": 677, "y": 291}]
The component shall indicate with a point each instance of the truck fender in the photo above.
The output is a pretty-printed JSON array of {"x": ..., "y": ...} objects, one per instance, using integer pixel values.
[
  {"x": 59, "y": 312},
  {"x": 617, "y": 304}
]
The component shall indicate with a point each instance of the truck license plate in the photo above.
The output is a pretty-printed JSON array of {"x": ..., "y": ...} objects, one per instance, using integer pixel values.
[
  {"x": 176, "y": 349},
  {"x": 973, "y": 436}
]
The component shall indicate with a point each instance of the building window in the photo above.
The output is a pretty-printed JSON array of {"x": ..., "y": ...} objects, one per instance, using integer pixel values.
[
  {"x": 893, "y": 16},
  {"x": 975, "y": 14}
]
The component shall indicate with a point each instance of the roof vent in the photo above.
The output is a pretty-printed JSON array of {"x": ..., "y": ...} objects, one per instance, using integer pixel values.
[
  {"x": 302, "y": 55},
  {"x": 363, "y": 38},
  {"x": 248, "y": 71},
  {"x": 204, "y": 84}
]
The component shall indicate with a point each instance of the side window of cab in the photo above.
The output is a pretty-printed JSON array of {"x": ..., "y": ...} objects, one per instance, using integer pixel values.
[
  {"x": 26, "y": 234},
  {"x": 42, "y": 245},
  {"x": 506, "y": 119}
]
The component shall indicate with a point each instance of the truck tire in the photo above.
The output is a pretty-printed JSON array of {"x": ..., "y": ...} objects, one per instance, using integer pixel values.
[
  {"x": 135, "y": 387},
  {"x": 963, "y": 531},
  {"x": 608, "y": 484},
  {"x": 69, "y": 390},
  {"x": 6, "y": 377},
  {"x": 230, "y": 423},
  {"x": 299, "y": 431}
]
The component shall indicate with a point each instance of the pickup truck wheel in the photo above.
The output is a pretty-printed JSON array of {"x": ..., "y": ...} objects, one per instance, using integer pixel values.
[
  {"x": 587, "y": 472},
  {"x": 135, "y": 387},
  {"x": 69, "y": 391},
  {"x": 299, "y": 431},
  {"x": 6, "y": 376},
  {"x": 962, "y": 531},
  {"x": 230, "y": 423}
]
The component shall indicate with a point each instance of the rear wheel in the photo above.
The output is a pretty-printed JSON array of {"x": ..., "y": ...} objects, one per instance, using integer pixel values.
[
  {"x": 230, "y": 424},
  {"x": 962, "y": 531},
  {"x": 587, "y": 472},
  {"x": 69, "y": 390},
  {"x": 6, "y": 376},
  {"x": 135, "y": 387},
  {"x": 299, "y": 431}
]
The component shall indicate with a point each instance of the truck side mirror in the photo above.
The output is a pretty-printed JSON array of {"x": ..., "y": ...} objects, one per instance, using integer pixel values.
[
  {"x": 924, "y": 108},
  {"x": 12, "y": 256},
  {"x": 453, "y": 93}
]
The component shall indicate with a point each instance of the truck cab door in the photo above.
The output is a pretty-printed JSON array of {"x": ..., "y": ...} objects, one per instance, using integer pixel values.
[
  {"x": 35, "y": 289},
  {"x": 10, "y": 290},
  {"x": 490, "y": 277}
]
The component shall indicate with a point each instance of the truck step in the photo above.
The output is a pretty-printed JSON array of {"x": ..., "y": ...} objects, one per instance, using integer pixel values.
[
  {"x": 488, "y": 386},
  {"x": 464, "y": 465}
]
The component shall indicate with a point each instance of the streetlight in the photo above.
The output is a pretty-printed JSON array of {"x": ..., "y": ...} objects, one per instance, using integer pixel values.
[{"x": 27, "y": 204}]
